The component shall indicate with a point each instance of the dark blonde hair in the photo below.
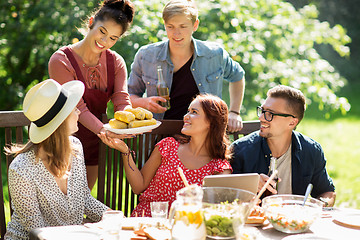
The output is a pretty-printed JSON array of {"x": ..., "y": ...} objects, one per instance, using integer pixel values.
[
  {"x": 295, "y": 99},
  {"x": 216, "y": 112},
  {"x": 180, "y": 7},
  {"x": 121, "y": 11},
  {"x": 57, "y": 148}
]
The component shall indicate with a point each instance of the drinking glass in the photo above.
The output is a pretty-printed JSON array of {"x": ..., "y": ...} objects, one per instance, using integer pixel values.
[
  {"x": 159, "y": 209},
  {"x": 112, "y": 221}
]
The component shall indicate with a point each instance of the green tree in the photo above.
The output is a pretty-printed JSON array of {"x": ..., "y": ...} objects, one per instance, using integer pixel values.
[
  {"x": 272, "y": 40},
  {"x": 30, "y": 31}
]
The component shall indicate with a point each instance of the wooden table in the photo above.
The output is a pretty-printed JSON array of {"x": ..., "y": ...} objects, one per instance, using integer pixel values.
[{"x": 325, "y": 228}]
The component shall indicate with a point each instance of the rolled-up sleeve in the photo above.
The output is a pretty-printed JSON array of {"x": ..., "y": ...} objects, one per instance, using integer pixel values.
[
  {"x": 233, "y": 72},
  {"x": 120, "y": 97},
  {"x": 136, "y": 85}
]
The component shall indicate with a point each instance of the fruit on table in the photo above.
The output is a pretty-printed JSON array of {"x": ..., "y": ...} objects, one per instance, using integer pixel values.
[
  {"x": 220, "y": 226},
  {"x": 189, "y": 217}
]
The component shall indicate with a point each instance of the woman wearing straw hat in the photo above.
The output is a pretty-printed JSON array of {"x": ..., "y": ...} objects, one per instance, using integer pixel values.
[
  {"x": 101, "y": 70},
  {"x": 47, "y": 178},
  {"x": 202, "y": 151}
]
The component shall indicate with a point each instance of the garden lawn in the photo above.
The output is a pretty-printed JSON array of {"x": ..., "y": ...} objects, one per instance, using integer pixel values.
[{"x": 339, "y": 139}]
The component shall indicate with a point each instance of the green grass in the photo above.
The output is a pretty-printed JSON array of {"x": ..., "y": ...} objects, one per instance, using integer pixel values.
[{"x": 342, "y": 150}]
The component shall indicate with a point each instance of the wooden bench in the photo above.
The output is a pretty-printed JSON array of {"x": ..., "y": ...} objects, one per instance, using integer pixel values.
[{"x": 12, "y": 125}]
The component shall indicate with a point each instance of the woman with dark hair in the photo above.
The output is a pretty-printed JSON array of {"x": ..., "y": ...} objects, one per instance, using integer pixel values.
[
  {"x": 101, "y": 70},
  {"x": 202, "y": 151}
]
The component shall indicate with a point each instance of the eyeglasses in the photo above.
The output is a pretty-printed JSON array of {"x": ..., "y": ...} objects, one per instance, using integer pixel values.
[{"x": 269, "y": 115}]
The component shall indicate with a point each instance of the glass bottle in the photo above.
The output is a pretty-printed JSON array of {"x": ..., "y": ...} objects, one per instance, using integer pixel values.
[
  {"x": 272, "y": 168},
  {"x": 162, "y": 89},
  {"x": 186, "y": 214}
]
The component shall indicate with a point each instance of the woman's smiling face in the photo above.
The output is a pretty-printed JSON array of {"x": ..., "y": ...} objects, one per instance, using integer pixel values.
[
  {"x": 195, "y": 121},
  {"x": 103, "y": 35}
]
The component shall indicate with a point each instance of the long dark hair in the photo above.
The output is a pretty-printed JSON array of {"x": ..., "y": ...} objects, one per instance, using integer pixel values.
[
  {"x": 216, "y": 112},
  {"x": 121, "y": 11}
]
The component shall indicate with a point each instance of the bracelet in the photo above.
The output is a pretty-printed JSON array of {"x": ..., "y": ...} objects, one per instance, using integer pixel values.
[
  {"x": 128, "y": 154},
  {"x": 237, "y": 113}
]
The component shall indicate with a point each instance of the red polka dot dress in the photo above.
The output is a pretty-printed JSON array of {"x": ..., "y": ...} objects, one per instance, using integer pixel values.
[{"x": 167, "y": 181}]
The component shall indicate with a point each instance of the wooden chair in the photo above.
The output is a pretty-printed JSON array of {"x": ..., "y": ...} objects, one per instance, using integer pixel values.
[
  {"x": 113, "y": 189},
  {"x": 248, "y": 127},
  {"x": 11, "y": 122}
]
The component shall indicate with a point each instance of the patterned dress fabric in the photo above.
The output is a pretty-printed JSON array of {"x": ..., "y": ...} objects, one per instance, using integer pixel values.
[
  {"x": 37, "y": 200},
  {"x": 167, "y": 181}
]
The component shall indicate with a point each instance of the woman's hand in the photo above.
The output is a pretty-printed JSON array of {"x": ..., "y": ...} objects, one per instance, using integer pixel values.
[
  {"x": 115, "y": 143},
  {"x": 115, "y": 135}
]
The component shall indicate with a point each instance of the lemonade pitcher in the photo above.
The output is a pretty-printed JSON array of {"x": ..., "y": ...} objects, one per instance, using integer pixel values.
[{"x": 186, "y": 214}]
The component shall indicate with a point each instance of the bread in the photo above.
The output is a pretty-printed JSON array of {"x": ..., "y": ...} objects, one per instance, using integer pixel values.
[
  {"x": 255, "y": 220},
  {"x": 257, "y": 215},
  {"x": 154, "y": 233}
]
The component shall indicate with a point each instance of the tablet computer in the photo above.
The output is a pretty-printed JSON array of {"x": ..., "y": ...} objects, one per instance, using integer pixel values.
[{"x": 245, "y": 181}]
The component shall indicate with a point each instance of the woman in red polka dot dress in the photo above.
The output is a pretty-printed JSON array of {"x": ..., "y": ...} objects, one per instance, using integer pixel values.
[{"x": 202, "y": 151}]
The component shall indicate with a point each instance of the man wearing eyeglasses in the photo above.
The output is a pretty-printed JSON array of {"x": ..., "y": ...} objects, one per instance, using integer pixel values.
[{"x": 298, "y": 159}]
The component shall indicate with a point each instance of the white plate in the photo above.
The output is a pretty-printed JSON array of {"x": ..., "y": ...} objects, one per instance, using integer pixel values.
[
  {"x": 137, "y": 130},
  {"x": 78, "y": 235},
  {"x": 348, "y": 219}
]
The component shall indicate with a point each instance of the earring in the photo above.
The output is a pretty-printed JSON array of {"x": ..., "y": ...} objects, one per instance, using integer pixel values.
[{"x": 91, "y": 20}]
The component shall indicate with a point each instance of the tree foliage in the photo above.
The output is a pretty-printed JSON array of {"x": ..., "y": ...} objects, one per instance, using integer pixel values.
[{"x": 272, "y": 40}]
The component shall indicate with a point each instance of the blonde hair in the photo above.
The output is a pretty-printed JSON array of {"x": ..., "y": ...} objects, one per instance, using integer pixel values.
[
  {"x": 180, "y": 7},
  {"x": 57, "y": 148}
]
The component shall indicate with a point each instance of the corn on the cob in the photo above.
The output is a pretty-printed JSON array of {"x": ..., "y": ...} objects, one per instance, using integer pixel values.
[
  {"x": 139, "y": 113},
  {"x": 148, "y": 114},
  {"x": 114, "y": 123},
  {"x": 124, "y": 116},
  {"x": 142, "y": 123}
]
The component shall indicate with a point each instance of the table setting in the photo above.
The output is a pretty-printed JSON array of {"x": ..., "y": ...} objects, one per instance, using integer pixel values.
[{"x": 220, "y": 213}]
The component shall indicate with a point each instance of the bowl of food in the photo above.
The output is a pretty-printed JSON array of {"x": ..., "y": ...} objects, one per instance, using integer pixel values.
[
  {"x": 225, "y": 210},
  {"x": 287, "y": 214}
]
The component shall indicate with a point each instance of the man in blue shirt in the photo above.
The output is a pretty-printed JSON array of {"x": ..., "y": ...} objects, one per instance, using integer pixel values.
[
  {"x": 299, "y": 159},
  {"x": 189, "y": 66}
]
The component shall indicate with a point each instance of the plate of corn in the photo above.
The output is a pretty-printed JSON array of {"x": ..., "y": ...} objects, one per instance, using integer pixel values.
[{"x": 132, "y": 121}]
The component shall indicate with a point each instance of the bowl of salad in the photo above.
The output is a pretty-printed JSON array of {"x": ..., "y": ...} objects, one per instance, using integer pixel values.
[
  {"x": 225, "y": 210},
  {"x": 287, "y": 214}
]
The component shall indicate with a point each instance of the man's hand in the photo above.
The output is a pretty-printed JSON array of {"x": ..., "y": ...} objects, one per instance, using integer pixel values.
[
  {"x": 272, "y": 185},
  {"x": 235, "y": 122},
  {"x": 150, "y": 103}
]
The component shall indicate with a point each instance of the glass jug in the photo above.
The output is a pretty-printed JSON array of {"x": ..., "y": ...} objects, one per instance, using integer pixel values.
[{"x": 186, "y": 214}]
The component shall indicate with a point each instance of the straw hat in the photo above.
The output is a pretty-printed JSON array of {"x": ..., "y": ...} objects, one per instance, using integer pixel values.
[{"x": 48, "y": 104}]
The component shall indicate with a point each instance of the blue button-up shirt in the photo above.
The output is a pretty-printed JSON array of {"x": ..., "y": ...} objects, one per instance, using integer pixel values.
[
  {"x": 252, "y": 155},
  {"x": 211, "y": 65}
]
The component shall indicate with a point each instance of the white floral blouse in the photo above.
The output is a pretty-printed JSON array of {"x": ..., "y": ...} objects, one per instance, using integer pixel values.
[{"x": 37, "y": 200}]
